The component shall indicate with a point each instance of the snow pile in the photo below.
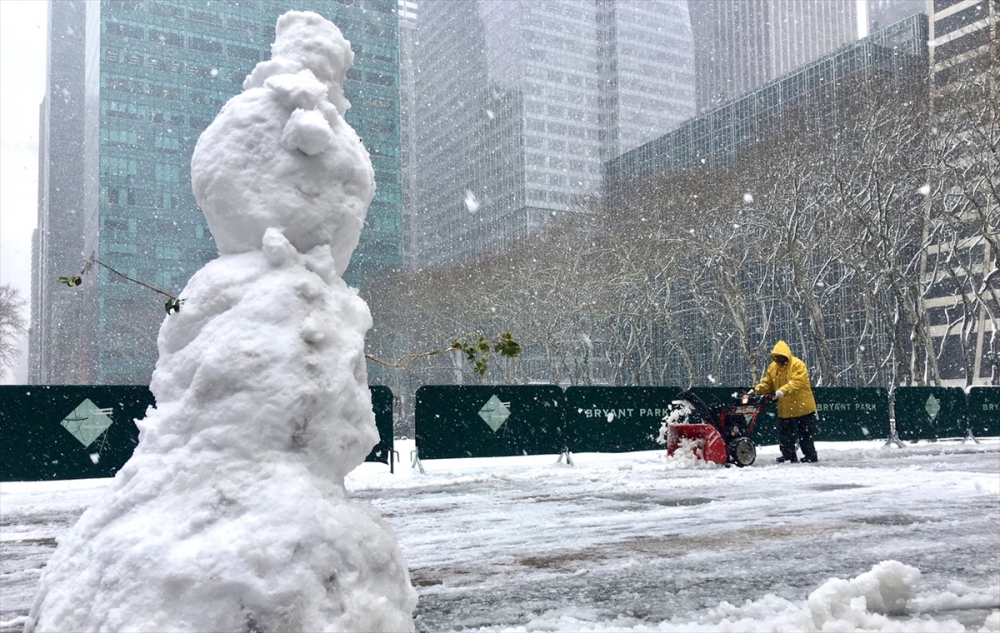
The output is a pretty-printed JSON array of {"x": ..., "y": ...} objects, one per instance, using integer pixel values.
[
  {"x": 958, "y": 596},
  {"x": 863, "y": 603},
  {"x": 689, "y": 455},
  {"x": 232, "y": 513}
]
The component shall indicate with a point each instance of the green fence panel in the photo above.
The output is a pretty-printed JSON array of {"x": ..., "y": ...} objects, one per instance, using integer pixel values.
[
  {"x": 984, "y": 411},
  {"x": 68, "y": 432},
  {"x": 489, "y": 421},
  {"x": 930, "y": 413},
  {"x": 382, "y": 404},
  {"x": 616, "y": 419},
  {"x": 88, "y": 431},
  {"x": 849, "y": 414},
  {"x": 765, "y": 431}
]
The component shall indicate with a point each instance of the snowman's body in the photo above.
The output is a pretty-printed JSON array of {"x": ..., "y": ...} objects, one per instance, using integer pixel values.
[{"x": 232, "y": 514}]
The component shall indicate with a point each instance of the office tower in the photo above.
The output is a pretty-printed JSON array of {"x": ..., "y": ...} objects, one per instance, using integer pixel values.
[
  {"x": 518, "y": 101},
  {"x": 741, "y": 44},
  {"x": 964, "y": 308},
  {"x": 882, "y": 13},
  {"x": 407, "y": 137},
  {"x": 156, "y": 73},
  {"x": 55, "y": 342},
  {"x": 897, "y": 54}
]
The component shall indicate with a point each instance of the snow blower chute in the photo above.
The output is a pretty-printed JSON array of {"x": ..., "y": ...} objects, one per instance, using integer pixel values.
[{"x": 722, "y": 435}]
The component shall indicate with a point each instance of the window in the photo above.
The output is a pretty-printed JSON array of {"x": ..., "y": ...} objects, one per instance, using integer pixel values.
[
  {"x": 962, "y": 44},
  {"x": 163, "y": 37},
  {"x": 123, "y": 30},
  {"x": 205, "y": 46},
  {"x": 242, "y": 52},
  {"x": 203, "y": 16}
]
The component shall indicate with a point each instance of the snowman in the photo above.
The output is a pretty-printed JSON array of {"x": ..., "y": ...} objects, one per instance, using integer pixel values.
[{"x": 232, "y": 514}]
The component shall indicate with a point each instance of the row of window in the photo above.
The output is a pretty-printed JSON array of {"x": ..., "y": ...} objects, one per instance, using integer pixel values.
[
  {"x": 959, "y": 45},
  {"x": 961, "y": 18},
  {"x": 379, "y": 27},
  {"x": 162, "y": 64}
]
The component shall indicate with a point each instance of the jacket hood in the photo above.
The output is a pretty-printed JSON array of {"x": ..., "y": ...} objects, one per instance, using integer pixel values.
[{"x": 782, "y": 348}]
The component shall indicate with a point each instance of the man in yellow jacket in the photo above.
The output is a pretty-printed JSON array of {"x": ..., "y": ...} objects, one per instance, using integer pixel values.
[{"x": 788, "y": 378}]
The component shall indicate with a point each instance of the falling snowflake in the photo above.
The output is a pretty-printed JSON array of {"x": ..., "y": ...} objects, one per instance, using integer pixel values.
[
  {"x": 748, "y": 198},
  {"x": 490, "y": 115},
  {"x": 925, "y": 190},
  {"x": 471, "y": 202}
]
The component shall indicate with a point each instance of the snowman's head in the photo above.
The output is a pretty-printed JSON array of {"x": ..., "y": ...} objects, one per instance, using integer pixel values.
[
  {"x": 318, "y": 45},
  {"x": 280, "y": 155}
]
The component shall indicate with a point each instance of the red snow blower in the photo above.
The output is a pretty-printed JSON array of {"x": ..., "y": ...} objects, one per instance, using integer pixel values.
[{"x": 723, "y": 435}]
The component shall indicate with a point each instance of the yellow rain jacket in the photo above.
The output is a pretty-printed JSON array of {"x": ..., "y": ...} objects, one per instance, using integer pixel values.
[{"x": 792, "y": 379}]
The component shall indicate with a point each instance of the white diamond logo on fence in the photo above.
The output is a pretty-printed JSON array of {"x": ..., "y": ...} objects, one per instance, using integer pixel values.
[
  {"x": 495, "y": 413},
  {"x": 87, "y": 421},
  {"x": 933, "y": 406}
]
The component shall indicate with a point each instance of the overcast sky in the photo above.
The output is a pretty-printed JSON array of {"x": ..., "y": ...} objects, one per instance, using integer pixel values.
[{"x": 22, "y": 85}]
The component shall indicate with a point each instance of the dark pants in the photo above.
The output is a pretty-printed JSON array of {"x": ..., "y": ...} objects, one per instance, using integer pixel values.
[{"x": 803, "y": 427}]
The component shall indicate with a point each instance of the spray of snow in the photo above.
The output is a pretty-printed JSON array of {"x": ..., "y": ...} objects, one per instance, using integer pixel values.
[
  {"x": 680, "y": 410},
  {"x": 232, "y": 513}
]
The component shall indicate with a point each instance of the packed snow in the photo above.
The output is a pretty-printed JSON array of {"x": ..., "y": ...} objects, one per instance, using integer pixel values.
[
  {"x": 280, "y": 154},
  {"x": 872, "y": 538},
  {"x": 232, "y": 514}
]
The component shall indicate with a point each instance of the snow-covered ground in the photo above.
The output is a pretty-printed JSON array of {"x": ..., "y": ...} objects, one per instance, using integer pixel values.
[{"x": 639, "y": 542}]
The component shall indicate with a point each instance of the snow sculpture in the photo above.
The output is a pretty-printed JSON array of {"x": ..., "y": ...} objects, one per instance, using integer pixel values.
[{"x": 232, "y": 514}]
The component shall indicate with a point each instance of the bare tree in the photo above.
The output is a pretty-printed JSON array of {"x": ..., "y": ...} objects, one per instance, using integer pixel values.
[{"x": 12, "y": 324}]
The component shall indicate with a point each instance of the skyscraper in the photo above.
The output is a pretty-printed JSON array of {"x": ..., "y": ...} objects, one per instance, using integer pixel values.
[
  {"x": 895, "y": 55},
  {"x": 155, "y": 75},
  {"x": 882, "y": 13},
  {"x": 518, "y": 102},
  {"x": 741, "y": 44},
  {"x": 407, "y": 111},
  {"x": 55, "y": 343}
]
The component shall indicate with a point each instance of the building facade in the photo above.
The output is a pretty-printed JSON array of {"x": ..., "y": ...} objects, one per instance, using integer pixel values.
[
  {"x": 713, "y": 137},
  {"x": 155, "y": 74},
  {"x": 963, "y": 305},
  {"x": 55, "y": 344},
  {"x": 407, "y": 111},
  {"x": 740, "y": 46},
  {"x": 882, "y": 13},
  {"x": 519, "y": 101}
]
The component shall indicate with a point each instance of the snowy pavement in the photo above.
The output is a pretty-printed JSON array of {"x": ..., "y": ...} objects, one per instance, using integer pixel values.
[{"x": 639, "y": 542}]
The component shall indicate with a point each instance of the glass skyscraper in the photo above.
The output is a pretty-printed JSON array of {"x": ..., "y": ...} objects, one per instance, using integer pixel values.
[
  {"x": 156, "y": 74},
  {"x": 896, "y": 53},
  {"x": 519, "y": 101}
]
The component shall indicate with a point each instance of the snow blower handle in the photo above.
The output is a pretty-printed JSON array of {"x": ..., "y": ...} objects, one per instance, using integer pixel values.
[{"x": 756, "y": 399}]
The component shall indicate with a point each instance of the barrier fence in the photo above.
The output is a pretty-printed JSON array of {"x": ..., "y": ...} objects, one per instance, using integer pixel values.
[
  {"x": 84, "y": 432},
  {"x": 76, "y": 432},
  {"x": 489, "y": 421}
]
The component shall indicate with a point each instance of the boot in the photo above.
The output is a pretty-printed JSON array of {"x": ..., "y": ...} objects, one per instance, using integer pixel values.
[{"x": 790, "y": 460}]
